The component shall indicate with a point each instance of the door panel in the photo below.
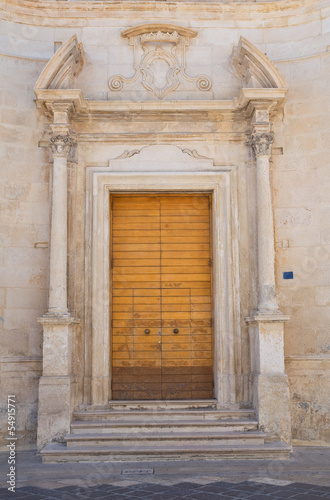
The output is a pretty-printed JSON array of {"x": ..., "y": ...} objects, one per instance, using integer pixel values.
[{"x": 161, "y": 282}]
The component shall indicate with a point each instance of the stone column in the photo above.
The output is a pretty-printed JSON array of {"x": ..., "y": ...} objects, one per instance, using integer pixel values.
[
  {"x": 57, "y": 305},
  {"x": 262, "y": 144},
  {"x": 55, "y": 386},
  {"x": 270, "y": 386}
]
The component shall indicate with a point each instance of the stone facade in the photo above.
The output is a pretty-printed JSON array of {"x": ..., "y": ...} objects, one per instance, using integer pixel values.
[{"x": 241, "y": 89}]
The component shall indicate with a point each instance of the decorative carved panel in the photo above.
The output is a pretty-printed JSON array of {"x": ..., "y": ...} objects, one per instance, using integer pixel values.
[{"x": 160, "y": 59}]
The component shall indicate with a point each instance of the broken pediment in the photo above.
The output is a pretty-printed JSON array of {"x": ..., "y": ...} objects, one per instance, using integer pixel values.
[
  {"x": 63, "y": 67},
  {"x": 254, "y": 68},
  {"x": 160, "y": 65}
]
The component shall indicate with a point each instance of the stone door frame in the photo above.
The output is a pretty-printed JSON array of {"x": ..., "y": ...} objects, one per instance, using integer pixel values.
[{"x": 221, "y": 183}]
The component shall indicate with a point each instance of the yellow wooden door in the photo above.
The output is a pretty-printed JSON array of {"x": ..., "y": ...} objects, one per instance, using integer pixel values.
[{"x": 161, "y": 297}]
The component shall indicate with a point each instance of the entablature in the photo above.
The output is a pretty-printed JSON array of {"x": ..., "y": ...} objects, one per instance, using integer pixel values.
[{"x": 83, "y": 108}]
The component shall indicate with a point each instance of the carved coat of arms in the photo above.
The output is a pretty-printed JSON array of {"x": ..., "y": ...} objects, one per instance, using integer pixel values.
[{"x": 159, "y": 59}]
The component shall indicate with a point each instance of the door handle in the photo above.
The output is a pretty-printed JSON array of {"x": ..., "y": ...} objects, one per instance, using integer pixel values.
[
  {"x": 147, "y": 331},
  {"x": 175, "y": 330}
]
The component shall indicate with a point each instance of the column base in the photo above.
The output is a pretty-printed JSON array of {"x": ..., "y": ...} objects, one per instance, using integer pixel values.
[
  {"x": 57, "y": 313},
  {"x": 270, "y": 392},
  {"x": 54, "y": 410},
  {"x": 271, "y": 398},
  {"x": 56, "y": 396}
]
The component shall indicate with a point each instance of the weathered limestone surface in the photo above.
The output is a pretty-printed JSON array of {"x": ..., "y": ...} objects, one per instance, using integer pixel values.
[{"x": 296, "y": 38}]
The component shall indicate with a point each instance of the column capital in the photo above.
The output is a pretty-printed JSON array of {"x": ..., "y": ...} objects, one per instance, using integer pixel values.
[
  {"x": 61, "y": 144},
  {"x": 262, "y": 143}
]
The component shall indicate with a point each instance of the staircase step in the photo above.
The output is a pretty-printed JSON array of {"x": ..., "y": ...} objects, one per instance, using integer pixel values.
[
  {"x": 164, "y": 438},
  {"x": 59, "y": 453},
  {"x": 163, "y": 405},
  {"x": 165, "y": 430},
  {"x": 143, "y": 425},
  {"x": 161, "y": 414}
]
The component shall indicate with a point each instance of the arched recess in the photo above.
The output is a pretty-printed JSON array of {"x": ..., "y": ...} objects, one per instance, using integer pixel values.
[{"x": 63, "y": 67}]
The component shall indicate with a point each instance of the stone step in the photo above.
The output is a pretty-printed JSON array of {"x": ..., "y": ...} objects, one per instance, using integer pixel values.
[
  {"x": 143, "y": 425},
  {"x": 154, "y": 414},
  {"x": 59, "y": 453},
  {"x": 182, "y": 404},
  {"x": 163, "y": 438}
]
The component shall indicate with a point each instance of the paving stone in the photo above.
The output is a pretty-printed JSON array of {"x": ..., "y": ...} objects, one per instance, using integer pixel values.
[
  {"x": 138, "y": 493},
  {"x": 187, "y": 486},
  {"x": 217, "y": 487},
  {"x": 4, "y": 494},
  {"x": 115, "y": 496},
  {"x": 305, "y": 496},
  {"x": 166, "y": 496},
  {"x": 159, "y": 496},
  {"x": 239, "y": 495},
  {"x": 89, "y": 493},
  {"x": 153, "y": 487},
  {"x": 22, "y": 496},
  {"x": 262, "y": 496},
  {"x": 79, "y": 495},
  {"x": 204, "y": 496},
  {"x": 302, "y": 486},
  {"x": 171, "y": 493},
  {"x": 69, "y": 489},
  {"x": 249, "y": 490},
  {"x": 321, "y": 492},
  {"x": 224, "y": 485},
  {"x": 224, "y": 496},
  {"x": 111, "y": 488},
  {"x": 182, "y": 490},
  {"x": 286, "y": 493}
]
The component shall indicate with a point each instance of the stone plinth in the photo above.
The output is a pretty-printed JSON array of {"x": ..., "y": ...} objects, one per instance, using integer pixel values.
[
  {"x": 270, "y": 392},
  {"x": 56, "y": 397}
]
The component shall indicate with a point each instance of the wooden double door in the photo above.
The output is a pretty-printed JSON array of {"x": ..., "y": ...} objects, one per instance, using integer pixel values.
[{"x": 161, "y": 307}]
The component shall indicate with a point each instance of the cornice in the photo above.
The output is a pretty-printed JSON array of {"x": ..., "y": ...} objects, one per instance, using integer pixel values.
[
  {"x": 160, "y": 138},
  {"x": 77, "y": 13},
  {"x": 83, "y": 107}
]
